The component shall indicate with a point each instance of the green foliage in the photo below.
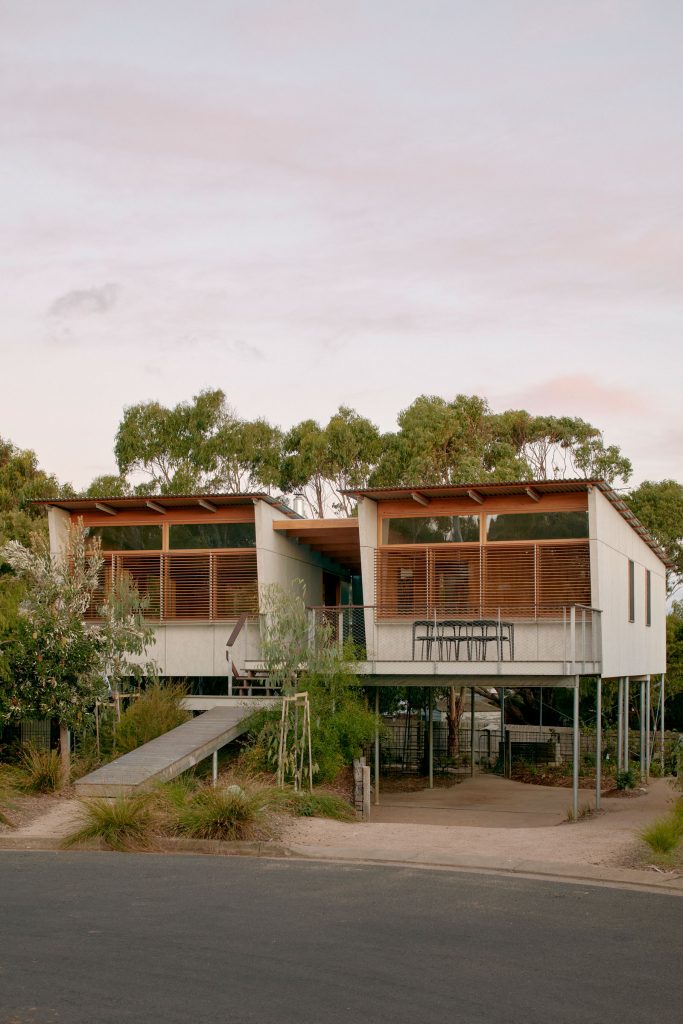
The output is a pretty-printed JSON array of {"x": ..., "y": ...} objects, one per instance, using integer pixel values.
[
  {"x": 318, "y": 804},
  {"x": 125, "y": 823},
  {"x": 197, "y": 446},
  {"x": 202, "y": 445},
  {"x": 156, "y": 711},
  {"x": 628, "y": 779},
  {"x": 324, "y": 461},
  {"x": 226, "y": 813},
  {"x": 442, "y": 442},
  {"x": 21, "y": 482},
  {"x": 111, "y": 485},
  {"x": 38, "y": 771},
  {"x": 659, "y": 506},
  {"x": 299, "y": 656},
  {"x": 664, "y": 836},
  {"x": 56, "y": 662}
]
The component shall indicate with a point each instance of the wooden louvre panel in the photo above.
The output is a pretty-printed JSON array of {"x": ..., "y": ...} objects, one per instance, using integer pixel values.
[
  {"x": 235, "y": 583},
  {"x": 202, "y": 585},
  {"x": 509, "y": 580},
  {"x": 187, "y": 586},
  {"x": 144, "y": 571},
  {"x": 563, "y": 575},
  {"x": 455, "y": 580},
  {"x": 401, "y": 582}
]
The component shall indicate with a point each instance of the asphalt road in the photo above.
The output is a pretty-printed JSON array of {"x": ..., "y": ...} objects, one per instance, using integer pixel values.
[{"x": 98, "y": 938}]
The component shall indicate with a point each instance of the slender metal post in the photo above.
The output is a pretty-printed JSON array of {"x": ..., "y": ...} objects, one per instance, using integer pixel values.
[
  {"x": 502, "y": 725},
  {"x": 661, "y": 719},
  {"x": 576, "y": 748},
  {"x": 642, "y": 730},
  {"x": 214, "y": 768},
  {"x": 598, "y": 744},
  {"x": 572, "y": 634},
  {"x": 431, "y": 738},
  {"x": 471, "y": 731},
  {"x": 648, "y": 734},
  {"x": 620, "y": 727},
  {"x": 627, "y": 697},
  {"x": 376, "y": 745}
]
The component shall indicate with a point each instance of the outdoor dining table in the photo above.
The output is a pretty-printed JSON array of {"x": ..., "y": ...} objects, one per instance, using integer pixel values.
[{"x": 447, "y": 636}]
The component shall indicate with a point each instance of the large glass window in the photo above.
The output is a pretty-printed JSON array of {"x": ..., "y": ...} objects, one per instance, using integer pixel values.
[
  {"x": 211, "y": 535},
  {"x": 431, "y": 530},
  {"x": 537, "y": 526},
  {"x": 127, "y": 538}
]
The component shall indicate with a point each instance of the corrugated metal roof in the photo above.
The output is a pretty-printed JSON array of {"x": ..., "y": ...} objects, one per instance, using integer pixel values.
[{"x": 166, "y": 501}]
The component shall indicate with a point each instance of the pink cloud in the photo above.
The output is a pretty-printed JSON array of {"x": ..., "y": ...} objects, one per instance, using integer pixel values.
[{"x": 578, "y": 394}]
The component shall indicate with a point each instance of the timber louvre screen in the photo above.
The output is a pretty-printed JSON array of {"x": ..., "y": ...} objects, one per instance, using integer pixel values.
[
  {"x": 479, "y": 580},
  {"x": 184, "y": 586}
]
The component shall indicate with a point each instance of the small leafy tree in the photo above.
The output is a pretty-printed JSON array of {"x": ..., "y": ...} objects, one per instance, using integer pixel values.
[
  {"x": 300, "y": 655},
  {"x": 56, "y": 662}
]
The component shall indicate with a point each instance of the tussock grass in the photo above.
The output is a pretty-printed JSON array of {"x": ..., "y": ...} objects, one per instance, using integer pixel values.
[
  {"x": 38, "y": 771},
  {"x": 124, "y": 823},
  {"x": 226, "y": 813},
  {"x": 312, "y": 805},
  {"x": 664, "y": 836}
]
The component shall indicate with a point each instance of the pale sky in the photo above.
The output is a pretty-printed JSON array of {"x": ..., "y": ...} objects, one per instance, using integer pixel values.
[{"x": 314, "y": 203}]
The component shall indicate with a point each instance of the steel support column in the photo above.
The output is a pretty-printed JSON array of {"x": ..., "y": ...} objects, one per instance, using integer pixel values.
[
  {"x": 648, "y": 734},
  {"x": 376, "y": 745},
  {"x": 627, "y": 701},
  {"x": 431, "y": 738},
  {"x": 471, "y": 731},
  {"x": 598, "y": 743},
  {"x": 576, "y": 754},
  {"x": 620, "y": 727},
  {"x": 661, "y": 719},
  {"x": 642, "y": 730}
]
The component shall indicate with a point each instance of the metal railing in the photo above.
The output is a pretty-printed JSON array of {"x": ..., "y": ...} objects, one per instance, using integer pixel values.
[{"x": 569, "y": 635}]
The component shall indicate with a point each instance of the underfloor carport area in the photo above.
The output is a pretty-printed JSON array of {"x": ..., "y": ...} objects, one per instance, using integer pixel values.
[
  {"x": 481, "y": 793},
  {"x": 484, "y": 800}
]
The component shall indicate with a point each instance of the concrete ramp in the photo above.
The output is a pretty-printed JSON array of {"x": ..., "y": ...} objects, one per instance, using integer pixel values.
[{"x": 169, "y": 755}]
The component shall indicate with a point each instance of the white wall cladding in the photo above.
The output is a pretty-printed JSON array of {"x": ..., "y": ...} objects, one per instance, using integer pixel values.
[
  {"x": 628, "y": 648},
  {"x": 281, "y": 560}
]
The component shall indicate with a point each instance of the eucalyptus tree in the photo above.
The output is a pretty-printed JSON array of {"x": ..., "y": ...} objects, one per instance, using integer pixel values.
[{"x": 659, "y": 506}]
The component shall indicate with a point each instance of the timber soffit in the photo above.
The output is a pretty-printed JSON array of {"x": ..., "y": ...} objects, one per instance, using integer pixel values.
[{"x": 532, "y": 488}]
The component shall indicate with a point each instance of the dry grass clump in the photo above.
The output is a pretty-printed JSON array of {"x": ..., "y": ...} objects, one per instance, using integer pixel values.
[
  {"x": 666, "y": 835},
  {"x": 124, "y": 823},
  {"x": 236, "y": 809},
  {"x": 225, "y": 812},
  {"x": 38, "y": 771}
]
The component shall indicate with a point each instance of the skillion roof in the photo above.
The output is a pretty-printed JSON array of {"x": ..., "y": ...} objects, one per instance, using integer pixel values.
[
  {"x": 165, "y": 501},
  {"x": 478, "y": 491}
]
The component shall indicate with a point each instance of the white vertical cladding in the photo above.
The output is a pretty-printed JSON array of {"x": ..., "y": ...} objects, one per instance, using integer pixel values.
[
  {"x": 58, "y": 523},
  {"x": 628, "y": 648},
  {"x": 367, "y": 529},
  {"x": 281, "y": 560}
]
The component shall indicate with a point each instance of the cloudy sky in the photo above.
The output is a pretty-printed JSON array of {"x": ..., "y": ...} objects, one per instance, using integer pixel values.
[{"x": 313, "y": 202}]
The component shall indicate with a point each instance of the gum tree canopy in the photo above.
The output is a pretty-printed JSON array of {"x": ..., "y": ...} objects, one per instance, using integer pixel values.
[{"x": 202, "y": 445}]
